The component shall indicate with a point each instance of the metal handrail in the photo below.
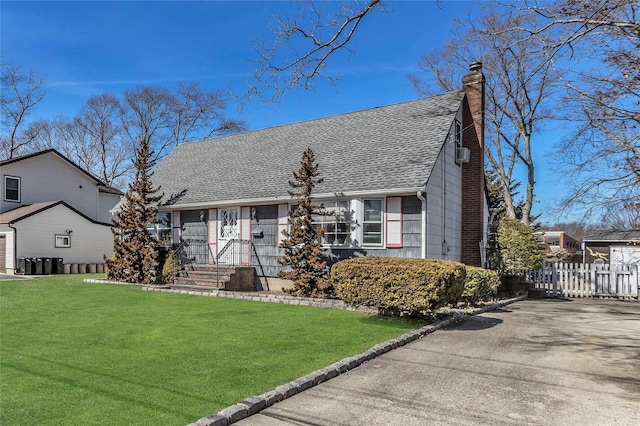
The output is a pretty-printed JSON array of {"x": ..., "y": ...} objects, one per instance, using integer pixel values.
[
  {"x": 180, "y": 256},
  {"x": 233, "y": 251}
]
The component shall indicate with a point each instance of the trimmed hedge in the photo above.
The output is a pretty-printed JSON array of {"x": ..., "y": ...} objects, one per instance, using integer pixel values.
[
  {"x": 480, "y": 284},
  {"x": 411, "y": 287}
]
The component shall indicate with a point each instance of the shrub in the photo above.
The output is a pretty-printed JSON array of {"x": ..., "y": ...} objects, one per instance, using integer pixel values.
[
  {"x": 170, "y": 269},
  {"x": 519, "y": 248},
  {"x": 479, "y": 284},
  {"x": 413, "y": 287}
]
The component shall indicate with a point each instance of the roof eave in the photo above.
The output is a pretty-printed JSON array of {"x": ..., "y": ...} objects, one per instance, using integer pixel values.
[{"x": 287, "y": 198}]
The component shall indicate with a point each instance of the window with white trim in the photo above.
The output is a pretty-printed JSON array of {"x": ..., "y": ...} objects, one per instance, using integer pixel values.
[
  {"x": 372, "y": 222},
  {"x": 12, "y": 188},
  {"x": 160, "y": 230},
  {"x": 336, "y": 226},
  {"x": 63, "y": 241}
]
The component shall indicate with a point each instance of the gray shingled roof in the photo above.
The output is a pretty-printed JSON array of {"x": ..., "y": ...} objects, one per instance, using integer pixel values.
[
  {"x": 385, "y": 148},
  {"x": 611, "y": 234}
]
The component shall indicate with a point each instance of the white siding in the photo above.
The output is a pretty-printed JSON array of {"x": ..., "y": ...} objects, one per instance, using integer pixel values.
[
  {"x": 444, "y": 206},
  {"x": 624, "y": 255},
  {"x": 89, "y": 241},
  {"x": 106, "y": 201},
  {"x": 47, "y": 177},
  {"x": 9, "y": 250}
]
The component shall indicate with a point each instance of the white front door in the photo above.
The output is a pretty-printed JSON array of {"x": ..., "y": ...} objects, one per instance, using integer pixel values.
[{"x": 228, "y": 229}]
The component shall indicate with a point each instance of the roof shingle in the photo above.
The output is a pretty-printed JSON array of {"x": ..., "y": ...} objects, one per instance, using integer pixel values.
[{"x": 379, "y": 149}]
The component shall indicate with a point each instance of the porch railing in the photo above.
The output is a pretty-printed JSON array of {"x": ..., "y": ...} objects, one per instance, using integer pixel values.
[{"x": 238, "y": 253}]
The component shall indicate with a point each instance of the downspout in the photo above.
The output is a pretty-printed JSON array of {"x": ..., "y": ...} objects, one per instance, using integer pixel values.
[
  {"x": 15, "y": 248},
  {"x": 423, "y": 240}
]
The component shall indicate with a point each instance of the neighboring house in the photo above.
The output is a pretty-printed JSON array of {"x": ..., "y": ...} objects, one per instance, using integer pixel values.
[
  {"x": 614, "y": 246},
  {"x": 51, "y": 207},
  {"x": 404, "y": 180},
  {"x": 561, "y": 240}
]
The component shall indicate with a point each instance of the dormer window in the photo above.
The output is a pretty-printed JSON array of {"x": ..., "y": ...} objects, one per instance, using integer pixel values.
[{"x": 12, "y": 189}]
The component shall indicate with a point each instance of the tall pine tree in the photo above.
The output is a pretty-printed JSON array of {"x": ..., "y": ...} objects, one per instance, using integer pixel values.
[
  {"x": 303, "y": 252},
  {"x": 134, "y": 248}
]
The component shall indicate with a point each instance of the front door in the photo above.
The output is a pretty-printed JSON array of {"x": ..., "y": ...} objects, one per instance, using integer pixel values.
[{"x": 228, "y": 229}]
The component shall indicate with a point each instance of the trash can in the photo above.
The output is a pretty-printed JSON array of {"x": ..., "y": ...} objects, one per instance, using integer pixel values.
[
  {"x": 28, "y": 266},
  {"x": 91, "y": 268},
  {"x": 46, "y": 265},
  {"x": 37, "y": 269},
  {"x": 21, "y": 265},
  {"x": 57, "y": 267},
  {"x": 82, "y": 268}
]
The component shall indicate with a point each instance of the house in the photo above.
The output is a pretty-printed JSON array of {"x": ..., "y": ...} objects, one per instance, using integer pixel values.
[
  {"x": 403, "y": 180},
  {"x": 613, "y": 246},
  {"x": 52, "y": 208},
  {"x": 561, "y": 240}
]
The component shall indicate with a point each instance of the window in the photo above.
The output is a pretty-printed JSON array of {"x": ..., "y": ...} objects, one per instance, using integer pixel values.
[
  {"x": 63, "y": 240},
  {"x": 161, "y": 229},
  {"x": 12, "y": 188},
  {"x": 372, "y": 222},
  {"x": 336, "y": 226}
]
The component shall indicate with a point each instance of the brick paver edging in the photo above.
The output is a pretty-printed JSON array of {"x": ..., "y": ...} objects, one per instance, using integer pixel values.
[{"x": 255, "y": 404}]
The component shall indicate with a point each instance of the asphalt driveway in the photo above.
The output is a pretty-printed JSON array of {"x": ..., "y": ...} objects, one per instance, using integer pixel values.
[{"x": 548, "y": 362}]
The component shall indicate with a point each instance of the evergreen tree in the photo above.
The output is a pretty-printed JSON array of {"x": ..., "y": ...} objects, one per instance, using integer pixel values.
[
  {"x": 519, "y": 248},
  {"x": 134, "y": 248},
  {"x": 302, "y": 248}
]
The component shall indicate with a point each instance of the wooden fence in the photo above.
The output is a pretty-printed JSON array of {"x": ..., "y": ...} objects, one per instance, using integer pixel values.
[{"x": 587, "y": 280}]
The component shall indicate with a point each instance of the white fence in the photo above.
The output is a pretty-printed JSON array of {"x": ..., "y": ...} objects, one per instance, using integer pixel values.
[{"x": 587, "y": 280}]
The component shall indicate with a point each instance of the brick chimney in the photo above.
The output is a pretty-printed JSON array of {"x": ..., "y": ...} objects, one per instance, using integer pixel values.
[{"x": 473, "y": 184}]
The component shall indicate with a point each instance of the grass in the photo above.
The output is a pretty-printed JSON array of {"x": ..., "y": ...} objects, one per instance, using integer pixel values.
[{"x": 84, "y": 353}]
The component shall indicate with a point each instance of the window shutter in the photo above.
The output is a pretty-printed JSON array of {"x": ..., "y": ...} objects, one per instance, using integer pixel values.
[
  {"x": 394, "y": 222},
  {"x": 175, "y": 224},
  {"x": 213, "y": 234},
  {"x": 283, "y": 221},
  {"x": 245, "y": 223}
]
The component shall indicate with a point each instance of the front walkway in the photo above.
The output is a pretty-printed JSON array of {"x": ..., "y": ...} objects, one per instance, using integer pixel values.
[{"x": 546, "y": 362}]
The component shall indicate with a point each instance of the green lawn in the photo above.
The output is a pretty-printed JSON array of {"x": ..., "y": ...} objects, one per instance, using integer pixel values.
[{"x": 83, "y": 353}]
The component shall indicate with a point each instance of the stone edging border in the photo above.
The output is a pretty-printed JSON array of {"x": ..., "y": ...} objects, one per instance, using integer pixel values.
[
  {"x": 256, "y": 297},
  {"x": 255, "y": 404}
]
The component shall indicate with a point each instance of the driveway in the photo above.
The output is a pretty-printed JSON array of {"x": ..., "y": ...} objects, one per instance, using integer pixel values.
[{"x": 548, "y": 362}]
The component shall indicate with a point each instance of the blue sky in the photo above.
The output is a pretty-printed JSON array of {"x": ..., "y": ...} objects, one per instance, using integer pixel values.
[{"x": 84, "y": 48}]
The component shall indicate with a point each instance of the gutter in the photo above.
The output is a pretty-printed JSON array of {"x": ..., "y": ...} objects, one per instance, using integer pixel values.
[{"x": 287, "y": 199}]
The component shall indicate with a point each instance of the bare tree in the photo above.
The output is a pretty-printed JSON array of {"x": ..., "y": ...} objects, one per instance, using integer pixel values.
[
  {"x": 199, "y": 113},
  {"x": 626, "y": 216},
  {"x": 520, "y": 80},
  {"x": 166, "y": 119},
  {"x": 21, "y": 92},
  {"x": 602, "y": 156},
  {"x": 303, "y": 43},
  {"x": 147, "y": 117},
  {"x": 101, "y": 119}
]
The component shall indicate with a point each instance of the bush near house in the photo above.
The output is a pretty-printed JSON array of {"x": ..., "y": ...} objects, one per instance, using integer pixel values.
[
  {"x": 170, "y": 269},
  {"x": 519, "y": 248},
  {"x": 479, "y": 284},
  {"x": 408, "y": 287}
]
